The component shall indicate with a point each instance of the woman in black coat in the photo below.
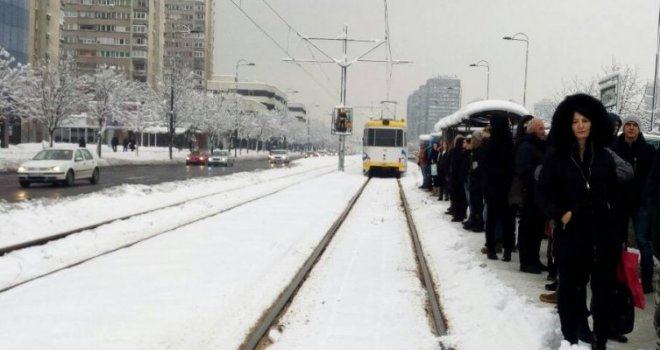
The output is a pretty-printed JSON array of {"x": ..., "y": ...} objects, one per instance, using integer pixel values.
[{"x": 575, "y": 188}]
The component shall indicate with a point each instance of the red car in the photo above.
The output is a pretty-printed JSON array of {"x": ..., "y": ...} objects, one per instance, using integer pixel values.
[{"x": 197, "y": 158}]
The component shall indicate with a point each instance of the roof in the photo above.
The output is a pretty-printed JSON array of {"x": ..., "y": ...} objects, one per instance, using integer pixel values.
[
  {"x": 424, "y": 137},
  {"x": 479, "y": 113},
  {"x": 399, "y": 123}
]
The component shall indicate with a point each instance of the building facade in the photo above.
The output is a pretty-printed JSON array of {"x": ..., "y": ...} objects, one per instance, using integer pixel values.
[
  {"x": 14, "y": 28},
  {"x": 127, "y": 34},
  {"x": 268, "y": 95},
  {"x": 437, "y": 98},
  {"x": 46, "y": 22},
  {"x": 189, "y": 36}
]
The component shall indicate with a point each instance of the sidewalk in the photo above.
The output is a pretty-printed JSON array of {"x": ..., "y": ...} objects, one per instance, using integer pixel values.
[{"x": 12, "y": 157}]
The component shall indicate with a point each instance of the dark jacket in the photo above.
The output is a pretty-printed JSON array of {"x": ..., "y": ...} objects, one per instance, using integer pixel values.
[
  {"x": 639, "y": 154},
  {"x": 498, "y": 162},
  {"x": 652, "y": 189},
  {"x": 529, "y": 155}
]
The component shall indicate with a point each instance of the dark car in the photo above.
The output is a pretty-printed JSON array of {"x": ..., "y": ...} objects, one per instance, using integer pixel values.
[{"x": 197, "y": 158}]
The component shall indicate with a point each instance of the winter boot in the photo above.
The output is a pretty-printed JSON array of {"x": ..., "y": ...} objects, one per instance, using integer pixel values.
[
  {"x": 550, "y": 298},
  {"x": 435, "y": 192},
  {"x": 507, "y": 255}
]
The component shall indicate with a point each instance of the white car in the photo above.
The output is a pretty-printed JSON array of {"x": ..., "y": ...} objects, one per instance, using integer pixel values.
[
  {"x": 221, "y": 157},
  {"x": 279, "y": 156},
  {"x": 59, "y": 165}
]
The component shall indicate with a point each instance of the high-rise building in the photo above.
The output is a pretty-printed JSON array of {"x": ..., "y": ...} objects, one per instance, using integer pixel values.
[
  {"x": 437, "y": 98},
  {"x": 14, "y": 28},
  {"x": 45, "y": 29},
  {"x": 189, "y": 36},
  {"x": 127, "y": 34}
]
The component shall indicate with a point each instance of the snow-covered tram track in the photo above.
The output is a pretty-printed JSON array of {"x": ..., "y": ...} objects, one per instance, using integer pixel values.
[
  {"x": 34, "y": 260},
  {"x": 50, "y": 236},
  {"x": 366, "y": 285}
]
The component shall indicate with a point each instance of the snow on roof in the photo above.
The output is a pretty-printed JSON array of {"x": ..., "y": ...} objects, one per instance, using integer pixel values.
[
  {"x": 478, "y": 107},
  {"x": 424, "y": 137}
]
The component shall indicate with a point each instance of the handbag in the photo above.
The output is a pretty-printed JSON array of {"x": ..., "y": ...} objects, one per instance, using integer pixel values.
[
  {"x": 627, "y": 273},
  {"x": 622, "y": 317},
  {"x": 434, "y": 169}
]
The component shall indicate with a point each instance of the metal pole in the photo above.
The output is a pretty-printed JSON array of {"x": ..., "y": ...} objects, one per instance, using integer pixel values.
[
  {"x": 526, "y": 60},
  {"x": 655, "y": 76},
  {"x": 487, "y": 81},
  {"x": 342, "y": 138}
]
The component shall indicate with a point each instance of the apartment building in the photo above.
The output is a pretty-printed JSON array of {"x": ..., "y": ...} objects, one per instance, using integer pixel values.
[
  {"x": 189, "y": 36},
  {"x": 127, "y": 34},
  {"x": 437, "y": 98}
]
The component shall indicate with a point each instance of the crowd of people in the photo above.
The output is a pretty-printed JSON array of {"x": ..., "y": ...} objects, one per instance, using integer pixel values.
[{"x": 584, "y": 187}]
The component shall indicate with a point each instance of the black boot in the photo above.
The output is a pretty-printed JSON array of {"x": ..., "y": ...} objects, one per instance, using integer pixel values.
[
  {"x": 507, "y": 255},
  {"x": 584, "y": 333}
]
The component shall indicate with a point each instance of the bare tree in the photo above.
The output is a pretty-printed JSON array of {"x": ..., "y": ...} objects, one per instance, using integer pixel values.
[
  {"x": 112, "y": 91},
  {"x": 54, "y": 92},
  {"x": 11, "y": 92},
  {"x": 177, "y": 89}
]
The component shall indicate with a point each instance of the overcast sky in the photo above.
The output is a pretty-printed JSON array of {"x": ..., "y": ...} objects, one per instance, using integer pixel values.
[{"x": 568, "y": 38}]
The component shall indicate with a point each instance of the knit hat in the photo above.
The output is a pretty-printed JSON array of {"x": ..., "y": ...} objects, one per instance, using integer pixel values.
[{"x": 632, "y": 119}]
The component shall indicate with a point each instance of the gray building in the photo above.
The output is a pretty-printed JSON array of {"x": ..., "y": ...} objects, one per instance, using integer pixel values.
[
  {"x": 437, "y": 98},
  {"x": 14, "y": 28}
]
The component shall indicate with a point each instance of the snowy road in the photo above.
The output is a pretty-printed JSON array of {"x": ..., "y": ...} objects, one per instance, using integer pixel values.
[{"x": 364, "y": 293}]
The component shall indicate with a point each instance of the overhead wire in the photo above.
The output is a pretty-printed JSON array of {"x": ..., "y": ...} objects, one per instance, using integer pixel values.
[{"x": 325, "y": 88}]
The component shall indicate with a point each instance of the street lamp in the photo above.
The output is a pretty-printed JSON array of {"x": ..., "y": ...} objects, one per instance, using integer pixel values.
[
  {"x": 241, "y": 62},
  {"x": 484, "y": 63},
  {"x": 526, "y": 40}
]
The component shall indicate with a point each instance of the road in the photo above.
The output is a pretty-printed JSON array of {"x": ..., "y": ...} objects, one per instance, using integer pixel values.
[{"x": 118, "y": 175}]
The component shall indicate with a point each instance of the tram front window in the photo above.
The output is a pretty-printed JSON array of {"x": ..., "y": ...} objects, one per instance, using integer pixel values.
[{"x": 385, "y": 138}]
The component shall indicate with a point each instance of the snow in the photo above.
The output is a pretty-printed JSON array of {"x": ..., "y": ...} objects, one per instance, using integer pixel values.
[
  {"x": 476, "y": 107},
  {"x": 202, "y": 286},
  {"x": 12, "y": 157}
]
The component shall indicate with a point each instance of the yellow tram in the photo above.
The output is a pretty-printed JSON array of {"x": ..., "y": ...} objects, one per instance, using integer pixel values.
[{"x": 384, "y": 148}]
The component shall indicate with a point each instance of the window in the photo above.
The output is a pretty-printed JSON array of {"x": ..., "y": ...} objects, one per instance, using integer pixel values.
[
  {"x": 385, "y": 138},
  {"x": 139, "y": 15},
  {"x": 87, "y": 154},
  {"x": 139, "y": 29}
]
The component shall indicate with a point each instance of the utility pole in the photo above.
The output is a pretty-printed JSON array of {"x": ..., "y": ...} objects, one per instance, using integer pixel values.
[{"x": 344, "y": 63}]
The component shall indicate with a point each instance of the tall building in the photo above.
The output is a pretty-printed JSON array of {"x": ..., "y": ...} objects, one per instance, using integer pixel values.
[
  {"x": 437, "y": 98},
  {"x": 14, "y": 28},
  {"x": 189, "y": 36},
  {"x": 45, "y": 30},
  {"x": 123, "y": 33}
]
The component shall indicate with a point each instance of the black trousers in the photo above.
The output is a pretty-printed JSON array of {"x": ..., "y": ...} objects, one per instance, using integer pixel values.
[
  {"x": 500, "y": 214},
  {"x": 577, "y": 263},
  {"x": 530, "y": 233}
]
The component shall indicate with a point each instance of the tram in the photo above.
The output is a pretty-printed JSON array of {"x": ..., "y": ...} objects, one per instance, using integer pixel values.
[{"x": 384, "y": 147}]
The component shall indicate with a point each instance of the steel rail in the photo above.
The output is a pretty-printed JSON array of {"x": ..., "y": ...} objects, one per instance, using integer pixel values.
[
  {"x": 439, "y": 323},
  {"x": 256, "y": 335},
  {"x": 60, "y": 235},
  {"x": 127, "y": 245}
]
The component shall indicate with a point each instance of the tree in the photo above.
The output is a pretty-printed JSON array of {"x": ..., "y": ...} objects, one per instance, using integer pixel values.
[
  {"x": 11, "y": 80},
  {"x": 112, "y": 91},
  {"x": 213, "y": 117},
  {"x": 146, "y": 112},
  {"x": 54, "y": 92},
  {"x": 177, "y": 89}
]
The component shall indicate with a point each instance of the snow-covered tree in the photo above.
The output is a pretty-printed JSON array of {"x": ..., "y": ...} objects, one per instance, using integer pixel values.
[
  {"x": 112, "y": 93},
  {"x": 54, "y": 92},
  {"x": 146, "y": 111},
  {"x": 178, "y": 90},
  {"x": 213, "y": 116},
  {"x": 11, "y": 92}
]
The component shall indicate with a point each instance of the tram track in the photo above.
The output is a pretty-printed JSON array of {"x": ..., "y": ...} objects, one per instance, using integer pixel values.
[
  {"x": 60, "y": 235},
  {"x": 304, "y": 174},
  {"x": 258, "y": 337}
]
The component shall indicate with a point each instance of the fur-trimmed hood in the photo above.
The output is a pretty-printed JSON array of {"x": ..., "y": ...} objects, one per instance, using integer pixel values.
[{"x": 561, "y": 136}]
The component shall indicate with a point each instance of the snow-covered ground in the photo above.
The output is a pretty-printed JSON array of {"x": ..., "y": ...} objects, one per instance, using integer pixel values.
[
  {"x": 12, "y": 157},
  {"x": 202, "y": 286}
]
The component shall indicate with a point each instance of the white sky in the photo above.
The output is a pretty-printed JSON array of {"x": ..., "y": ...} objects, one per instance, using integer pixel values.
[{"x": 567, "y": 39}]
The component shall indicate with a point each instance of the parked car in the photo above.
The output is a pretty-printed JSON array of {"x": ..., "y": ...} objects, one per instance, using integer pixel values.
[
  {"x": 279, "y": 156},
  {"x": 197, "y": 158},
  {"x": 221, "y": 157},
  {"x": 59, "y": 165}
]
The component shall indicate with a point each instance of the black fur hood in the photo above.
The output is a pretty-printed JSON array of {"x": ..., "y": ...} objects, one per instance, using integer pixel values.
[{"x": 561, "y": 136}]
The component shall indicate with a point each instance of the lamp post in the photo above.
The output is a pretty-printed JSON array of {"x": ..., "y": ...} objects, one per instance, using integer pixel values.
[
  {"x": 241, "y": 62},
  {"x": 484, "y": 63},
  {"x": 526, "y": 40},
  {"x": 655, "y": 77}
]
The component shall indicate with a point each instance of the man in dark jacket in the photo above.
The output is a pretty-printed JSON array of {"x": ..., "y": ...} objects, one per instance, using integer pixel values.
[
  {"x": 529, "y": 155},
  {"x": 632, "y": 147}
]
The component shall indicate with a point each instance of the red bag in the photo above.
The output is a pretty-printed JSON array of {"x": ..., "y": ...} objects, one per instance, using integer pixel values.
[{"x": 627, "y": 273}]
